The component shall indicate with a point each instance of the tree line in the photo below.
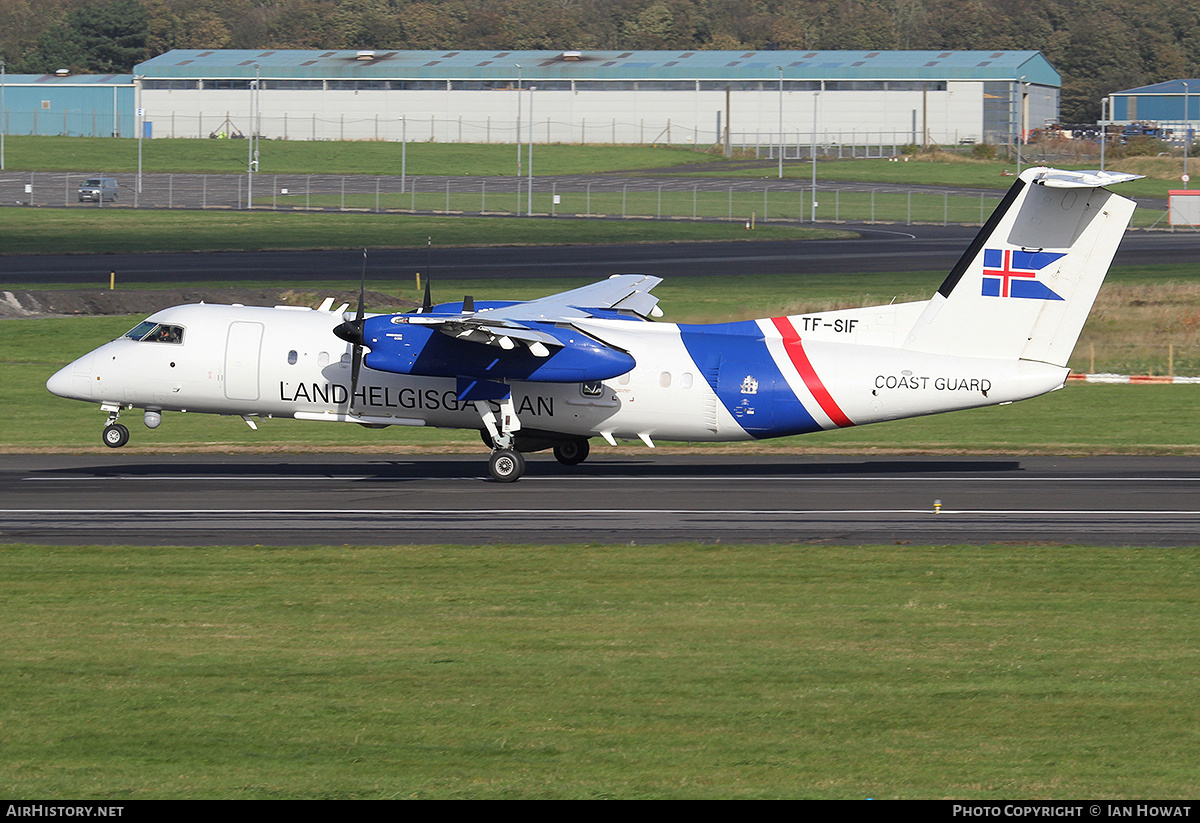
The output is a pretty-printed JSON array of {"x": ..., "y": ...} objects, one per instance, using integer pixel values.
[{"x": 1099, "y": 46}]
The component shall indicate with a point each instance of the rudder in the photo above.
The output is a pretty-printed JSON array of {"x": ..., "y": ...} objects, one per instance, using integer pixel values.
[{"x": 1025, "y": 285}]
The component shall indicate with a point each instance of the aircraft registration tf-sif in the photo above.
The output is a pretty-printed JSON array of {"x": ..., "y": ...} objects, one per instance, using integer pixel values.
[{"x": 557, "y": 371}]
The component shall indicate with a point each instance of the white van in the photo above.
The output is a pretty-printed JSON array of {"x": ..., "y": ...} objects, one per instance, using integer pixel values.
[{"x": 98, "y": 189}]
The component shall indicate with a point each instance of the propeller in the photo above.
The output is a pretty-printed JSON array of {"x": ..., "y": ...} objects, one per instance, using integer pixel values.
[
  {"x": 352, "y": 332},
  {"x": 427, "y": 303}
]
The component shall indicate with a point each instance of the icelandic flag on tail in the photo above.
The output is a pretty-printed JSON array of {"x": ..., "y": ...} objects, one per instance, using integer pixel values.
[{"x": 1014, "y": 273}]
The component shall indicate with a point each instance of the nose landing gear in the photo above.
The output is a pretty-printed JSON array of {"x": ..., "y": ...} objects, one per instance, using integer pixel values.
[{"x": 115, "y": 435}]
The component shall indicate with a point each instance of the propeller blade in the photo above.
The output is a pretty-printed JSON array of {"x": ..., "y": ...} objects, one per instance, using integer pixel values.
[
  {"x": 355, "y": 365},
  {"x": 352, "y": 331}
]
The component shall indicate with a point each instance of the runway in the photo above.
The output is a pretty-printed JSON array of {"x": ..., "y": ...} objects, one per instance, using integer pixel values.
[{"x": 362, "y": 500}]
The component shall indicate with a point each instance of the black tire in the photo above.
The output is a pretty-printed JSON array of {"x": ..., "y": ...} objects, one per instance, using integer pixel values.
[
  {"x": 573, "y": 452},
  {"x": 115, "y": 436},
  {"x": 506, "y": 465}
]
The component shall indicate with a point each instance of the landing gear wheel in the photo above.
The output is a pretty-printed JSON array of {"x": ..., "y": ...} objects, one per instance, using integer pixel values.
[
  {"x": 506, "y": 465},
  {"x": 115, "y": 436},
  {"x": 572, "y": 453}
]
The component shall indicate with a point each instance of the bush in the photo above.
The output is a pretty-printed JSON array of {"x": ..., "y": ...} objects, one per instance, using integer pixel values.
[
  {"x": 1142, "y": 146},
  {"x": 984, "y": 151}
]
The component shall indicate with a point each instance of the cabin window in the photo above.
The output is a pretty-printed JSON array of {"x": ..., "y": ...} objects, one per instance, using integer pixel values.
[
  {"x": 624, "y": 379},
  {"x": 664, "y": 380},
  {"x": 323, "y": 359},
  {"x": 685, "y": 380},
  {"x": 292, "y": 357}
]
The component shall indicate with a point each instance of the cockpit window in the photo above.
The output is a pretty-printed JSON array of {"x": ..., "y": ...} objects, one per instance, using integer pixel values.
[{"x": 148, "y": 332}]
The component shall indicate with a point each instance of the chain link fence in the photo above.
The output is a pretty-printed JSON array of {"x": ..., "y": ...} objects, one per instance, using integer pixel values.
[{"x": 750, "y": 201}]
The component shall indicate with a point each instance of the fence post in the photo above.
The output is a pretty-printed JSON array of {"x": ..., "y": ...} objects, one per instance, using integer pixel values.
[{"x": 624, "y": 193}]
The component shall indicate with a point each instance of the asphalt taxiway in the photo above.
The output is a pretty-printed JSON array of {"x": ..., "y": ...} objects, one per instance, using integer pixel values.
[
  {"x": 355, "y": 499},
  {"x": 879, "y": 249}
]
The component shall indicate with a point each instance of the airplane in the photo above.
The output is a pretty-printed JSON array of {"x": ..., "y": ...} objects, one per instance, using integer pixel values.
[{"x": 555, "y": 372}]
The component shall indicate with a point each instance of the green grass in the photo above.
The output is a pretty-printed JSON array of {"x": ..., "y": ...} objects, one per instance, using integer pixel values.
[
  {"x": 954, "y": 174},
  {"x": 676, "y": 671},
  {"x": 103, "y": 154},
  {"x": 32, "y": 231}
]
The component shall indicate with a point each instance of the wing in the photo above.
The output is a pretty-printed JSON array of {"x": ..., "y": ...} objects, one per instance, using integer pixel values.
[
  {"x": 534, "y": 340},
  {"x": 503, "y": 326}
]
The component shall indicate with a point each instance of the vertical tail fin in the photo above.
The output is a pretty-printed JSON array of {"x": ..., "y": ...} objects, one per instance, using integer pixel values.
[{"x": 1025, "y": 285}]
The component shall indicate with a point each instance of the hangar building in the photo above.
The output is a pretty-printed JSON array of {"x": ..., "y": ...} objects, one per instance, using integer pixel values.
[
  {"x": 96, "y": 105},
  {"x": 1174, "y": 102},
  {"x": 700, "y": 98}
]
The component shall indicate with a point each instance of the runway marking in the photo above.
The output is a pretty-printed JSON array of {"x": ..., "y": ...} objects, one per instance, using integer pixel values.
[
  {"x": 626, "y": 511},
  {"x": 658, "y": 478}
]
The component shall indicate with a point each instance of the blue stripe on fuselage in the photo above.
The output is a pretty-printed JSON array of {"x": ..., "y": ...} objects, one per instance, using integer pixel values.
[{"x": 734, "y": 359}]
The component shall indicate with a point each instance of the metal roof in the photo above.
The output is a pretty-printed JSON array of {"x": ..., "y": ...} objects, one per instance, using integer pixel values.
[
  {"x": 1168, "y": 87},
  {"x": 603, "y": 65},
  {"x": 68, "y": 80}
]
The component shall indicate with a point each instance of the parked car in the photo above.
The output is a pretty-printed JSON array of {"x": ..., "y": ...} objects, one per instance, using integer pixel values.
[{"x": 98, "y": 189}]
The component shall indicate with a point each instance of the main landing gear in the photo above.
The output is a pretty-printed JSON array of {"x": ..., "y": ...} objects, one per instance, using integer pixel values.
[
  {"x": 506, "y": 463},
  {"x": 572, "y": 452}
]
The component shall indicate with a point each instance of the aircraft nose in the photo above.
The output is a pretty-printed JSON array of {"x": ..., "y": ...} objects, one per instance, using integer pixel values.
[
  {"x": 60, "y": 382},
  {"x": 73, "y": 381}
]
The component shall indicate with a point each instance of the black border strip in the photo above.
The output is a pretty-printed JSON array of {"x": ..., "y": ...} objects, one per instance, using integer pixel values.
[{"x": 985, "y": 233}]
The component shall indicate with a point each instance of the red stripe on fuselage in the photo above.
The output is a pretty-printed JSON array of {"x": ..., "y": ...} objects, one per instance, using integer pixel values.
[{"x": 795, "y": 351}]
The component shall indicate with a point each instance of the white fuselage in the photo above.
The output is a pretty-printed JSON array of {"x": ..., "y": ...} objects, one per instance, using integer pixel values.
[{"x": 286, "y": 362}]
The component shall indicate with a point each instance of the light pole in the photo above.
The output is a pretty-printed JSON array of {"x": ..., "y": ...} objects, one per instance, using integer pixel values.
[
  {"x": 813, "y": 150},
  {"x": 780, "y": 121},
  {"x": 518, "y": 138},
  {"x": 1103, "y": 129},
  {"x": 140, "y": 125},
  {"x": 532, "y": 89},
  {"x": 1187, "y": 133},
  {"x": 3, "y": 111},
  {"x": 252, "y": 147},
  {"x": 1020, "y": 123}
]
